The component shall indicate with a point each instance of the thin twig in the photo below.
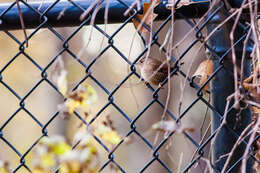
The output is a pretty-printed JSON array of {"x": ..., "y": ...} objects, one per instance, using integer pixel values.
[
  {"x": 244, "y": 54},
  {"x": 86, "y": 12},
  {"x": 239, "y": 140},
  {"x": 237, "y": 92},
  {"x": 254, "y": 25},
  {"x": 180, "y": 163},
  {"x": 250, "y": 142},
  {"x": 92, "y": 21},
  {"x": 207, "y": 161},
  {"x": 22, "y": 22}
]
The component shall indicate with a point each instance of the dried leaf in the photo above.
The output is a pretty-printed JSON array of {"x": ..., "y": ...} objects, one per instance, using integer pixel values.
[
  {"x": 256, "y": 110},
  {"x": 147, "y": 17},
  {"x": 252, "y": 84},
  {"x": 255, "y": 114},
  {"x": 203, "y": 72},
  {"x": 257, "y": 155}
]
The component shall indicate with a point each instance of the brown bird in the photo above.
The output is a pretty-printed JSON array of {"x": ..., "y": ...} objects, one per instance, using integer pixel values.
[{"x": 153, "y": 71}]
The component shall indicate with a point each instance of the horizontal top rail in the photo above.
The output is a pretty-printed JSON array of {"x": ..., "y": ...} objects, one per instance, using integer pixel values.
[{"x": 34, "y": 13}]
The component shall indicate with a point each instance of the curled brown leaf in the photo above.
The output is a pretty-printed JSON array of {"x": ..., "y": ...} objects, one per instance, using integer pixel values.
[{"x": 203, "y": 72}]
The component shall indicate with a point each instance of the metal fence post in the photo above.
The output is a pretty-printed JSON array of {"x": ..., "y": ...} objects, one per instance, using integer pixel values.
[{"x": 222, "y": 87}]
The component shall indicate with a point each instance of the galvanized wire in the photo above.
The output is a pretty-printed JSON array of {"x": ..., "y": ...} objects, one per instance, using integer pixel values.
[{"x": 45, "y": 22}]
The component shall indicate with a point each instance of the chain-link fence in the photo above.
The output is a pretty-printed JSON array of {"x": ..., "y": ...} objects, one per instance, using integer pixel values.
[{"x": 211, "y": 30}]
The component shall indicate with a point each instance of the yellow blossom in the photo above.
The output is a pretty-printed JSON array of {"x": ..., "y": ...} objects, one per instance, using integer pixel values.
[
  {"x": 108, "y": 134},
  {"x": 71, "y": 105},
  {"x": 48, "y": 160},
  {"x": 3, "y": 170},
  {"x": 61, "y": 148}
]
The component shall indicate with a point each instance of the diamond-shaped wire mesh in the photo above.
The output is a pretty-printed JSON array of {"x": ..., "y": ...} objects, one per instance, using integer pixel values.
[{"x": 26, "y": 73}]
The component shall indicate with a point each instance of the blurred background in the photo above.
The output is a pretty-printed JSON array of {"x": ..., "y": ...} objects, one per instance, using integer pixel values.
[{"x": 110, "y": 69}]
